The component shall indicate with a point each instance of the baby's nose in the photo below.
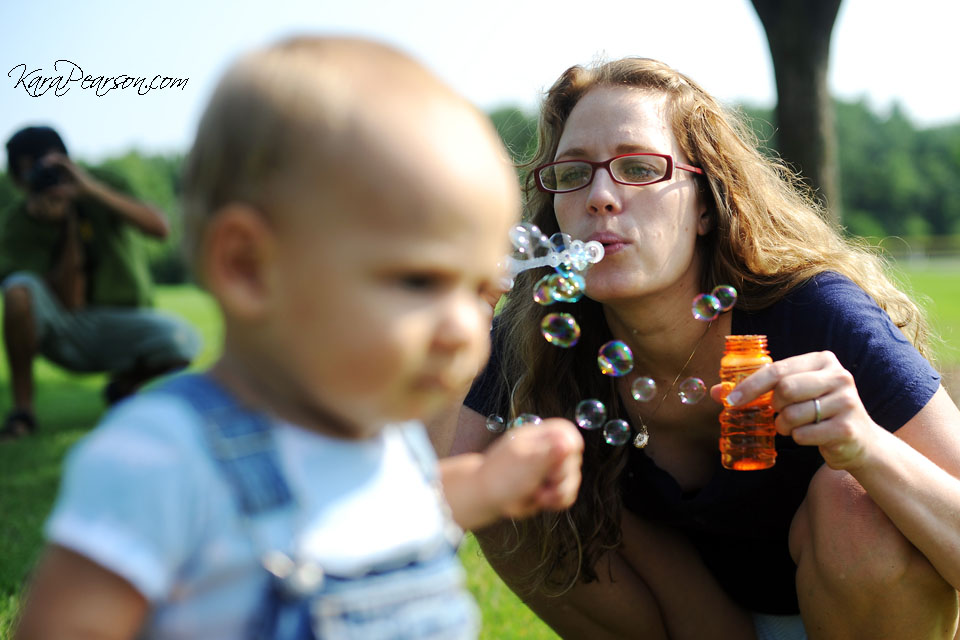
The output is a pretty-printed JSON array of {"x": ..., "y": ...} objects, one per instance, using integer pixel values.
[{"x": 462, "y": 322}]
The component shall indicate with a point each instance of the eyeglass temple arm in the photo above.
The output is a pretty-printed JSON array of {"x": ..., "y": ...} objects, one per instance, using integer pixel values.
[{"x": 687, "y": 167}]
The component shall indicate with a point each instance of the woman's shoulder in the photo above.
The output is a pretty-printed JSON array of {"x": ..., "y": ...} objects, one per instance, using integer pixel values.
[
  {"x": 816, "y": 309},
  {"x": 828, "y": 288}
]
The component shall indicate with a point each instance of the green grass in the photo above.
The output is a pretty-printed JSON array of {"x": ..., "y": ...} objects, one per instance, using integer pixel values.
[
  {"x": 69, "y": 405},
  {"x": 937, "y": 285}
]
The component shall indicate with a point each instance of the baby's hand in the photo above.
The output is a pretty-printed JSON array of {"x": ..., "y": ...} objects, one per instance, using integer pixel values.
[
  {"x": 532, "y": 468},
  {"x": 528, "y": 469}
]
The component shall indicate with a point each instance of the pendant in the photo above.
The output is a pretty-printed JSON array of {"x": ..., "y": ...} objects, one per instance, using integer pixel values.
[{"x": 643, "y": 436}]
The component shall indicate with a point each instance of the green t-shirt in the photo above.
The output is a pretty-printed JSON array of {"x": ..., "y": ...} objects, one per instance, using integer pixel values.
[{"x": 117, "y": 269}]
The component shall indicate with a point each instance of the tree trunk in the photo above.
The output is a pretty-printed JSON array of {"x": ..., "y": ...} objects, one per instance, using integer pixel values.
[{"x": 798, "y": 32}]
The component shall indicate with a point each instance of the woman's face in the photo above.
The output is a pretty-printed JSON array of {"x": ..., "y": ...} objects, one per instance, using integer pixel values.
[{"x": 649, "y": 232}]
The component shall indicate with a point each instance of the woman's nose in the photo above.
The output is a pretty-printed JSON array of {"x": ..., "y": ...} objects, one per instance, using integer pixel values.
[{"x": 603, "y": 195}]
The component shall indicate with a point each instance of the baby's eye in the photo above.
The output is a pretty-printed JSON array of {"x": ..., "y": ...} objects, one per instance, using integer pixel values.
[{"x": 420, "y": 281}]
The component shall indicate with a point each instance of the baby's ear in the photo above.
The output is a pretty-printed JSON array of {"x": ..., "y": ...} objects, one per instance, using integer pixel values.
[{"x": 238, "y": 253}]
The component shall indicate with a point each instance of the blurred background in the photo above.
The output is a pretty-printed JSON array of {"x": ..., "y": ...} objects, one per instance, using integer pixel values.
[{"x": 859, "y": 95}]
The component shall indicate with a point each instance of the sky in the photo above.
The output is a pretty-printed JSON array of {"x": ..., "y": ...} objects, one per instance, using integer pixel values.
[{"x": 496, "y": 53}]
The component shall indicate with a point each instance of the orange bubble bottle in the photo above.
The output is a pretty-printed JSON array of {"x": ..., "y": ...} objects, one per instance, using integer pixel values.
[{"x": 746, "y": 431}]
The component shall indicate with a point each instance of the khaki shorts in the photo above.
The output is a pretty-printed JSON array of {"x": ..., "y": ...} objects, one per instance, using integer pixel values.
[{"x": 115, "y": 339}]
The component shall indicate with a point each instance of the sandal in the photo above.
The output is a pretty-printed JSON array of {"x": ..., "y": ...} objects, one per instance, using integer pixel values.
[{"x": 18, "y": 423}]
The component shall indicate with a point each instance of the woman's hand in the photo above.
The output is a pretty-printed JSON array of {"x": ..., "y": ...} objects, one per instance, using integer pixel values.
[{"x": 817, "y": 404}]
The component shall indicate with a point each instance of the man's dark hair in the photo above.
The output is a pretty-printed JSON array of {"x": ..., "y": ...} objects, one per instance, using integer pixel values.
[{"x": 32, "y": 142}]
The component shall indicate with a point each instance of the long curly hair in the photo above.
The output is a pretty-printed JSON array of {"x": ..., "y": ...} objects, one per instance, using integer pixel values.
[{"x": 769, "y": 236}]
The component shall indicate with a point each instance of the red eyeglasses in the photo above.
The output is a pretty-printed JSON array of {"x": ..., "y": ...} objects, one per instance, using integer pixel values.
[{"x": 634, "y": 169}]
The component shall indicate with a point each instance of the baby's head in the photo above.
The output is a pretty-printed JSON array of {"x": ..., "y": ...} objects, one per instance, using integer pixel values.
[{"x": 347, "y": 210}]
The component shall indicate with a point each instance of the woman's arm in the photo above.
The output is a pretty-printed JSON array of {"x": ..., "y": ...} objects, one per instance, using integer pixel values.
[{"x": 72, "y": 597}]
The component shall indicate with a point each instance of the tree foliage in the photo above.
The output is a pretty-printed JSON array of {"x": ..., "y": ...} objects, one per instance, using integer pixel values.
[
  {"x": 896, "y": 179},
  {"x": 518, "y": 130}
]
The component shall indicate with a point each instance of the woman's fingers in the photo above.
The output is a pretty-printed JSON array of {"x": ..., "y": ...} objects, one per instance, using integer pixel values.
[
  {"x": 787, "y": 379},
  {"x": 816, "y": 402}
]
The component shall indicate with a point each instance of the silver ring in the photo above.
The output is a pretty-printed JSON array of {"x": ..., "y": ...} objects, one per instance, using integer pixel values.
[{"x": 816, "y": 411}]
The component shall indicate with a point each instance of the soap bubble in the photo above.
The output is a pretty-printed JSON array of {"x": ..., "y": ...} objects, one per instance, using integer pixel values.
[
  {"x": 643, "y": 437},
  {"x": 544, "y": 292},
  {"x": 524, "y": 419},
  {"x": 590, "y": 414},
  {"x": 579, "y": 259},
  {"x": 525, "y": 238},
  {"x": 560, "y": 241},
  {"x": 560, "y": 329},
  {"x": 495, "y": 424},
  {"x": 726, "y": 295},
  {"x": 616, "y": 432},
  {"x": 643, "y": 389},
  {"x": 564, "y": 268},
  {"x": 541, "y": 245},
  {"x": 706, "y": 307},
  {"x": 594, "y": 251},
  {"x": 691, "y": 391},
  {"x": 567, "y": 288},
  {"x": 615, "y": 359}
]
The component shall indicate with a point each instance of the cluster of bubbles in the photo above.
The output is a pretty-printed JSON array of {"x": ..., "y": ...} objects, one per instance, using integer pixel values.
[
  {"x": 532, "y": 249},
  {"x": 496, "y": 424},
  {"x": 569, "y": 258},
  {"x": 592, "y": 414},
  {"x": 707, "y": 306}
]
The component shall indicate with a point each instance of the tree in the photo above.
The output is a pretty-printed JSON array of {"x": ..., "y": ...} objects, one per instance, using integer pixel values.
[{"x": 798, "y": 33}]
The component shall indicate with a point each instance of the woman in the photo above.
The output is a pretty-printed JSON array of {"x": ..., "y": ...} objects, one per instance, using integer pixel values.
[{"x": 857, "y": 526}]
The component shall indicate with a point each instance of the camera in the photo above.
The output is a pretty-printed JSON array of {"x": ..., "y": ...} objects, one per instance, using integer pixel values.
[{"x": 43, "y": 177}]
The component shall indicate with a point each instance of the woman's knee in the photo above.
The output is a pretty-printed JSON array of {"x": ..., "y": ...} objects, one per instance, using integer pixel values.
[{"x": 850, "y": 543}]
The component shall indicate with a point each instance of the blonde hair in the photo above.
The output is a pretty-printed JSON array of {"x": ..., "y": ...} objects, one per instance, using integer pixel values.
[
  {"x": 282, "y": 117},
  {"x": 769, "y": 236}
]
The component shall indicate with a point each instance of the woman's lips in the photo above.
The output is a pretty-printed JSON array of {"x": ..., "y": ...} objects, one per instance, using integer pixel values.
[{"x": 612, "y": 243}]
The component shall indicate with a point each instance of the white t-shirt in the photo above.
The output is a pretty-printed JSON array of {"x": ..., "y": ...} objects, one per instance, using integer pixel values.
[{"x": 142, "y": 497}]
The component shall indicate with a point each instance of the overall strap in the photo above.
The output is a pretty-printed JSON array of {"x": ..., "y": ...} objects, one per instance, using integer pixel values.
[{"x": 240, "y": 440}]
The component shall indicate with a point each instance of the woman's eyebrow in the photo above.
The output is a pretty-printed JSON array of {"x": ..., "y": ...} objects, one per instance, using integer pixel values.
[
  {"x": 575, "y": 152},
  {"x": 626, "y": 147}
]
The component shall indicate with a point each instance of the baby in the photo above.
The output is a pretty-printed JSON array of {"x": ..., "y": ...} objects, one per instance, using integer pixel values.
[{"x": 347, "y": 212}]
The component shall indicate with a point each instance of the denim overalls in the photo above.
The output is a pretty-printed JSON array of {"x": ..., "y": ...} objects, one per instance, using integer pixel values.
[{"x": 422, "y": 599}]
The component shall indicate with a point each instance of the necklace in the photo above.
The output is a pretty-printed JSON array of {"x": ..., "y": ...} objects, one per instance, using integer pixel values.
[{"x": 643, "y": 434}]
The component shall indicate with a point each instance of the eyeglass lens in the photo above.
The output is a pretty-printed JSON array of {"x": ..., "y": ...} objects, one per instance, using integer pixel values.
[{"x": 632, "y": 169}]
